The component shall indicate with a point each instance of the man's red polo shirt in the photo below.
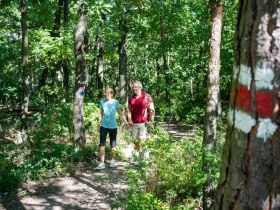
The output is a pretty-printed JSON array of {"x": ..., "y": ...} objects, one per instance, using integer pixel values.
[{"x": 139, "y": 113}]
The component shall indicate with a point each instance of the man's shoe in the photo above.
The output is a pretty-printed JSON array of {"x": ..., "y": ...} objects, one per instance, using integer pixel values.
[
  {"x": 112, "y": 164},
  {"x": 101, "y": 166}
]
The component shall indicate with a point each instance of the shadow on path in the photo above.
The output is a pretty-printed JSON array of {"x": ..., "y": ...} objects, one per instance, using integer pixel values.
[{"x": 89, "y": 189}]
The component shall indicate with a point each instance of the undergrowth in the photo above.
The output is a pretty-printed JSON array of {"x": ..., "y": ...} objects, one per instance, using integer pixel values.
[
  {"x": 49, "y": 151},
  {"x": 172, "y": 177}
]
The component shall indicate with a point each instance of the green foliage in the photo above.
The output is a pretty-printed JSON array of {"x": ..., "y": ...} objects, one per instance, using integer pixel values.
[
  {"x": 48, "y": 152},
  {"x": 55, "y": 121},
  {"x": 91, "y": 114},
  {"x": 9, "y": 174},
  {"x": 143, "y": 201},
  {"x": 173, "y": 177},
  {"x": 46, "y": 160}
]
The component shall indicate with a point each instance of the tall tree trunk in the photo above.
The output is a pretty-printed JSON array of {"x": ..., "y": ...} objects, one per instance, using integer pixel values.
[
  {"x": 92, "y": 72},
  {"x": 100, "y": 66},
  {"x": 123, "y": 61},
  {"x": 55, "y": 33},
  {"x": 57, "y": 19},
  {"x": 66, "y": 77},
  {"x": 165, "y": 61},
  {"x": 66, "y": 13},
  {"x": 65, "y": 68},
  {"x": 81, "y": 42},
  {"x": 250, "y": 169},
  {"x": 213, "y": 107},
  {"x": 158, "y": 78},
  {"x": 25, "y": 77}
]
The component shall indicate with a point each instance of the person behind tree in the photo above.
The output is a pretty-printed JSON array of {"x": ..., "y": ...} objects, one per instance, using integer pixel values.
[
  {"x": 107, "y": 124},
  {"x": 140, "y": 112}
]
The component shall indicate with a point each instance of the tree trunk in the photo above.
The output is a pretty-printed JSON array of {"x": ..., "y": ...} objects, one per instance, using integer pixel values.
[
  {"x": 57, "y": 18},
  {"x": 165, "y": 62},
  {"x": 25, "y": 78},
  {"x": 92, "y": 72},
  {"x": 158, "y": 78},
  {"x": 100, "y": 67},
  {"x": 213, "y": 107},
  {"x": 123, "y": 62},
  {"x": 81, "y": 36},
  {"x": 54, "y": 34},
  {"x": 250, "y": 168},
  {"x": 65, "y": 68},
  {"x": 66, "y": 13},
  {"x": 66, "y": 77}
]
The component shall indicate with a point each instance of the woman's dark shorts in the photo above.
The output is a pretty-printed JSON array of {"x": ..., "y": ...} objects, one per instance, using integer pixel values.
[{"x": 112, "y": 134}]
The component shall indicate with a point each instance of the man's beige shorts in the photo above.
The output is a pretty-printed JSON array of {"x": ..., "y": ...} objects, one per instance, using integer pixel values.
[{"x": 139, "y": 131}]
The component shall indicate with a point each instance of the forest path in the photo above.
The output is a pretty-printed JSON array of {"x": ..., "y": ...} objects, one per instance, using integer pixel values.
[
  {"x": 88, "y": 188},
  {"x": 176, "y": 129}
]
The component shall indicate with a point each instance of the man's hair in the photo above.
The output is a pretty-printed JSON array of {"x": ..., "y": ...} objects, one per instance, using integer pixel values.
[{"x": 139, "y": 84}]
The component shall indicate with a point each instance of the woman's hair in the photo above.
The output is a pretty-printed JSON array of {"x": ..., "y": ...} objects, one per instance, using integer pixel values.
[{"x": 110, "y": 89}]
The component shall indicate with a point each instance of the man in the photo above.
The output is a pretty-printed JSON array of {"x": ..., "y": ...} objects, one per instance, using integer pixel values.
[{"x": 140, "y": 111}]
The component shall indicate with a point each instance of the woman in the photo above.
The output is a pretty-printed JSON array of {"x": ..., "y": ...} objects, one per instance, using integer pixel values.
[{"x": 107, "y": 124}]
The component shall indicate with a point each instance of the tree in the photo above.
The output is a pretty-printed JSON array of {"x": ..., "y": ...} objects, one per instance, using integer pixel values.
[
  {"x": 123, "y": 59},
  {"x": 100, "y": 66},
  {"x": 213, "y": 107},
  {"x": 25, "y": 77},
  {"x": 81, "y": 40},
  {"x": 250, "y": 170}
]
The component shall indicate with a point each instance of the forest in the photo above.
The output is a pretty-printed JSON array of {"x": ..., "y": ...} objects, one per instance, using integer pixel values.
[{"x": 211, "y": 67}]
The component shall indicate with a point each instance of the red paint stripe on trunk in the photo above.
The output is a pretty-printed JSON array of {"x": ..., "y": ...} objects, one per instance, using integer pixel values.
[
  {"x": 264, "y": 102},
  {"x": 243, "y": 99}
]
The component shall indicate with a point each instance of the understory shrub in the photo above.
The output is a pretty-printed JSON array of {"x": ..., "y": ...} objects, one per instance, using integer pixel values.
[
  {"x": 49, "y": 151},
  {"x": 172, "y": 178}
]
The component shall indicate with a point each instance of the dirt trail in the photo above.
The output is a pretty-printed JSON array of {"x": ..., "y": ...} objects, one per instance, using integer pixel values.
[{"x": 87, "y": 189}]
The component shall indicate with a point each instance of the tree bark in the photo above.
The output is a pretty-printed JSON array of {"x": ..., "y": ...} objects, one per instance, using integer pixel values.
[
  {"x": 165, "y": 62},
  {"x": 81, "y": 36},
  {"x": 100, "y": 67},
  {"x": 213, "y": 107},
  {"x": 66, "y": 13},
  {"x": 65, "y": 67},
  {"x": 123, "y": 61},
  {"x": 25, "y": 77},
  {"x": 250, "y": 169}
]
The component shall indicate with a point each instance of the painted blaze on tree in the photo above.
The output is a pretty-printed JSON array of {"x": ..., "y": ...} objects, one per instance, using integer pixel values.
[{"x": 251, "y": 159}]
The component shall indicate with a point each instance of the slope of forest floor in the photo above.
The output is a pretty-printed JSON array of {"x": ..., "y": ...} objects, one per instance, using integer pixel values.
[{"x": 87, "y": 189}]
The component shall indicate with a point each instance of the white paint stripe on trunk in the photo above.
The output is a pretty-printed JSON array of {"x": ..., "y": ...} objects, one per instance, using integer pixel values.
[
  {"x": 244, "y": 122},
  {"x": 264, "y": 76},
  {"x": 245, "y": 76},
  {"x": 266, "y": 128}
]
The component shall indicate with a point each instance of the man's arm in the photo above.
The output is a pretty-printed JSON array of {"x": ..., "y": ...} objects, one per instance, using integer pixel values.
[{"x": 151, "y": 109}]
